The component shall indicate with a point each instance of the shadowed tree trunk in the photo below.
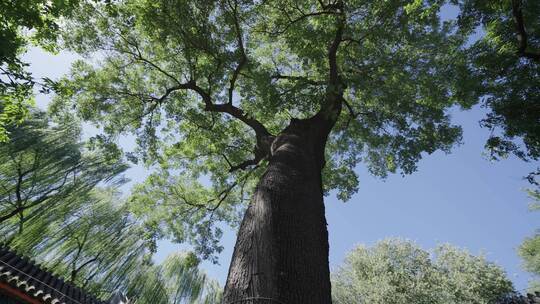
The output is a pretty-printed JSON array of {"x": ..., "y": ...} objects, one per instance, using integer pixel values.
[{"x": 281, "y": 251}]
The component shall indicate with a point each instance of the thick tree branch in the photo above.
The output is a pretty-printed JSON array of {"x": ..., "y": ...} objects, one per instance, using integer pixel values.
[
  {"x": 334, "y": 97},
  {"x": 260, "y": 129},
  {"x": 263, "y": 137},
  {"x": 262, "y": 134},
  {"x": 517, "y": 13},
  {"x": 332, "y": 51}
]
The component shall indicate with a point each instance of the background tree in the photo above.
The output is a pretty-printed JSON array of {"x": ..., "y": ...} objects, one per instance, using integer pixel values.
[
  {"x": 53, "y": 212},
  {"x": 91, "y": 242},
  {"x": 216, "y": 89},
  {"x": 44, "y": 165},
  {"x": 97, "y": 245},
  {"x": 529, "y": 250},
  {"x": 399, "y": 271}
]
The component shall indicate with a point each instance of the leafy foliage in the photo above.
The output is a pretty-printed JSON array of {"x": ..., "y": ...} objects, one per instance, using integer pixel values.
[
  {"x": 164, "y": 199},
  {"x": 398, "y": 271},
  {"x": 96, "y": 244},
  {"x": 92, "y": 242},
  {"x": 52, "y": 210},
  {"x": 505, "y": 71},
  {"x": 43, "y": 166},
  {"x": 21, "y": 23},
  {"x": 529, "y": 250},
  {"x": 206, "y": 85}
]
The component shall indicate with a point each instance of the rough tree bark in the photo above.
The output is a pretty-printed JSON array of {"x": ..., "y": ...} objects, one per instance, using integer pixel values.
[{"x": 281, "y": 253}]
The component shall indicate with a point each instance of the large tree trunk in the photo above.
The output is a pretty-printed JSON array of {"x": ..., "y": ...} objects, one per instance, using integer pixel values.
[{"x": 281, "y": 253}]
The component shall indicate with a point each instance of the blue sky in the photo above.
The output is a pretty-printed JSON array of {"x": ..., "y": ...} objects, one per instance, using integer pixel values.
[{"x": 460, "y": 198}]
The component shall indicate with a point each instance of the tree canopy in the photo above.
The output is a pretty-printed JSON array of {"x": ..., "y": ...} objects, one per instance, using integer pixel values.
[
  {"x": 44, "y": 165},
  {"x": 399, "y": 271},
  {"x": 505, "y": 70},
  {"x": 212, "y": 89},
  {"x": 207, "y": 85}
]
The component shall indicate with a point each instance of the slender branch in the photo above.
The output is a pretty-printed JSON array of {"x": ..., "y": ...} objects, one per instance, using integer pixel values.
[
  {"x": 220, "y": 197},
  {"x": 297, "y": 78},
  {"x": 522, "y": 38},
  {"x": 381, "y": 22},
  {"x": 80, "y": 246},
  {"x": 243, "y": 56},
  {"x": 89, "y": 279},
  {"x": 352, "y": 114},
  {"x": 76, "y": 271},
  {"x": 138, "y": 56},
  {"x": 39, "y": 200}
]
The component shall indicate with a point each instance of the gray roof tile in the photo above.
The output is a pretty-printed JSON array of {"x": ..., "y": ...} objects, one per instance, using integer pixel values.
[{"x": 28, "y": 277}]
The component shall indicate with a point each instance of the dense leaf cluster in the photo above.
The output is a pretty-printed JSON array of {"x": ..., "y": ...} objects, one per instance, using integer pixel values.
[{"x": 399, "y": 271}]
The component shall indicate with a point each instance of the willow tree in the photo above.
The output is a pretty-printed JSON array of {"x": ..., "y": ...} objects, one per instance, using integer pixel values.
[
  {"x": 176, "y": 280},
  {"x": 91, "y": 242},
  {"x": 97, "y": 245},
  {"x": 44, "y": 165},
  {"x": 277, "y": 99}
]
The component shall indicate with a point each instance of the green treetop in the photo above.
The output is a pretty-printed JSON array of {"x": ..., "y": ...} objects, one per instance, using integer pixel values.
[
  {"x": 398, "y": 271},
  {"x": 207, "y": 85}
]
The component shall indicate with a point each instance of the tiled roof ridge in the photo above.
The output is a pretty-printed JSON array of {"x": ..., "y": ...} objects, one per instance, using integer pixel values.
[{"x": 27, "y": 276}]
